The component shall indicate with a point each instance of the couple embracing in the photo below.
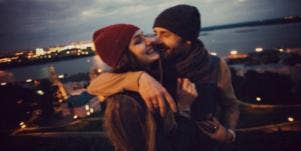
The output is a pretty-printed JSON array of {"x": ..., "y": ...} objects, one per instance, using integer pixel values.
[{"x": 164, "y": 92}]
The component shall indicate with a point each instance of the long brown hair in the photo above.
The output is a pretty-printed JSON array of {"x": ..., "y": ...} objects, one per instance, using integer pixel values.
[
  {"x": 134, "y": 132},
  {"x": 128, "y": 124},
  {"x": 130, "y": 63}
]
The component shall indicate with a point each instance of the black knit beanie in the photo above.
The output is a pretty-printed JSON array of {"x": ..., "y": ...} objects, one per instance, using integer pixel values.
[{"x": 184, "y": 20}]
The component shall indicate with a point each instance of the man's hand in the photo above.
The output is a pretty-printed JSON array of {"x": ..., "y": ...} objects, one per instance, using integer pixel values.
[
  {"x": 215, "y": 130},
  {"x": 155, "y": 95}
]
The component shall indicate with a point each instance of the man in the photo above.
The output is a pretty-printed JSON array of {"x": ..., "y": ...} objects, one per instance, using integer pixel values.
[{"x": 177, "y": 28}]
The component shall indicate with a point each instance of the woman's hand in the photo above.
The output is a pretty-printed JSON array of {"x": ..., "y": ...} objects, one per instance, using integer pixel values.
[
  {"x": 186, "y": 92},
  {"x": 155, "y": 95}
]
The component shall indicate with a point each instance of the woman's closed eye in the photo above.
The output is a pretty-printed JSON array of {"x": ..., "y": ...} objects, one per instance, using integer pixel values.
[{"x": 138, "y": 40}]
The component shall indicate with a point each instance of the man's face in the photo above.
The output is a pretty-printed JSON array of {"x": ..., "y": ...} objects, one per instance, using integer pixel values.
[{"x": 172, "y": 41}]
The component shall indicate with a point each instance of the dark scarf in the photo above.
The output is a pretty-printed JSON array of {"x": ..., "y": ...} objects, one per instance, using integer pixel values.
[{"x": 195, "y": 63}]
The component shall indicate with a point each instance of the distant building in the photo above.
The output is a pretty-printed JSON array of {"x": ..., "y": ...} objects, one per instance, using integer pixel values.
[{"x": 40, "y": 51}]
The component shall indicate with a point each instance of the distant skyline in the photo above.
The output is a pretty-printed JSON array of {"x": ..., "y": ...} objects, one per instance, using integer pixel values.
[{"x": 42, "y": 23}]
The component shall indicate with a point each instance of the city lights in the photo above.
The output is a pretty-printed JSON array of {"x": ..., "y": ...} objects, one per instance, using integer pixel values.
[
  {"x": 22, "y": 125},
  {"x": 258, "y": 49},
  {"x": 213, "y": 53},
  {"x": 40, "y": 51},
  {"x": 61, "y": 76},
  {"x": 40, "y": 92},
  {"x": 4, "y": 60},
  {"x": 87, "y": 107},
  {"x": 290, "y": 119},
  {"x": 233, "y": 52},
  {"x": 38, "y": 55},
  {"x": 29, "y": 80}
]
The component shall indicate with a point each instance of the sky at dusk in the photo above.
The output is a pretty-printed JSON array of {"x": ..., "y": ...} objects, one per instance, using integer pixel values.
[{"x": 43, "y": 23}]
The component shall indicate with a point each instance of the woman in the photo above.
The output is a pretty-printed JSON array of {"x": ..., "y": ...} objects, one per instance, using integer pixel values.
[
  {"x": 134, "y": 132},
  {"x": 128, "y": 123}
]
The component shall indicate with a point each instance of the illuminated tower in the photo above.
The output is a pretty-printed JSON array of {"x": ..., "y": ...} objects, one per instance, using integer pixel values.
[{"x": 55, "y": 80}]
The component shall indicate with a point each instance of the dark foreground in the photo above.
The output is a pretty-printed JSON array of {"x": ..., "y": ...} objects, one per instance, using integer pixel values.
[{"x": 247, "y": 141}]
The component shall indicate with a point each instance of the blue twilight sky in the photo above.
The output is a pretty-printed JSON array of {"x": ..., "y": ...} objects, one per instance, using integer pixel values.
[{"x": 43, "y": 23}]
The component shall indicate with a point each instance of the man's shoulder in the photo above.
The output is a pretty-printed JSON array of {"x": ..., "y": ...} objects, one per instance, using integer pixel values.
[
  {"x": 214, "y": 58},
  {"x": 218, "y": 61},
  {"x": 215, "y": 61}
]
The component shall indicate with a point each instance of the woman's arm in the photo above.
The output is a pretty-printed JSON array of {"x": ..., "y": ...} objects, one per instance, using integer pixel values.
[
  {"x": 109, "y": 83},
  {"x": 152, "y": 92}
]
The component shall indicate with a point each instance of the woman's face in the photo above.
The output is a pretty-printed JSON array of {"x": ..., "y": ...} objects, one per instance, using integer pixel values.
[{"x": 142, "y": 48}]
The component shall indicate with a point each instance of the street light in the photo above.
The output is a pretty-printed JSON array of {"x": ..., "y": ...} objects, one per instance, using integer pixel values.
[
  {"x": 213, "y": 53},
  {"x": 61, "y": 76},
  {"x": 28, "y": 80},
  {"x": 233, "y": 52},
  {"x": 258, "y": 99},
  {"x": 40, "y": 92},
  {"x": 258, "y": 49},
  {"x": 290, "y": 119},
  {"x": 87, "y": 107},
  {"x": 22, "y": 125}
]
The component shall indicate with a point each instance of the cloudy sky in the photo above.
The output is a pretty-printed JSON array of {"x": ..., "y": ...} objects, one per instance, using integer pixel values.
[{"x": 42, "y": 23}]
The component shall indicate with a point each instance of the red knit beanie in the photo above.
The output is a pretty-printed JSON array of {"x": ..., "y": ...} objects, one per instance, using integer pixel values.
[{"x": 111, "y": 42}]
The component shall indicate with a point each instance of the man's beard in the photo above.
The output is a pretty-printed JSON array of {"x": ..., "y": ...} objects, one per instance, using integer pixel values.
[
  {"x": 174, "y": 53},
  {"x": 169, "y": 53},
  {"x": 162, "y": 49}
]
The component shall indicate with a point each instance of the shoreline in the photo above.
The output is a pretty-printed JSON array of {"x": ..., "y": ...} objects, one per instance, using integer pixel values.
[{"x": 41, "y": 62}]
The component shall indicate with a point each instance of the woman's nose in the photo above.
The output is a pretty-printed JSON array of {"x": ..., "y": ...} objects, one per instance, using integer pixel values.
[{"x": 152, "y": 40}]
